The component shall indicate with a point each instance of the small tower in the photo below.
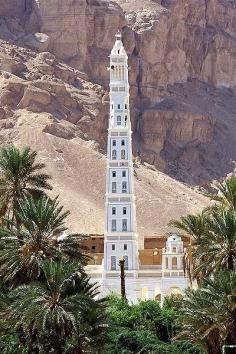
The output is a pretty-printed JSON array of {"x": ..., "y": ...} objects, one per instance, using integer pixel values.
[
  {"x": 173, "y": 253},
  {"x": 121, "y": 240}
]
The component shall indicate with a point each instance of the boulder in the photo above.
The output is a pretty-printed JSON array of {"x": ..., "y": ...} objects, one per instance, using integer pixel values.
[
  {"x": 59, "y": 130},
  {"x": 37, "y": 41},
  {"x": 33, "y": 97}
]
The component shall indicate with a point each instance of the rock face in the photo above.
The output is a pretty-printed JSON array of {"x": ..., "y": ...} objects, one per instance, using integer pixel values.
[
  {"x": 55, "y": 110},
  {"x": 183, "y": 74}
]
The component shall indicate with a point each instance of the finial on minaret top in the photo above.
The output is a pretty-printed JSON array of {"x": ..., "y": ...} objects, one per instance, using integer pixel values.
[
  {"x": 118, "y": 48},
  {"x": 118, "y": 35}
]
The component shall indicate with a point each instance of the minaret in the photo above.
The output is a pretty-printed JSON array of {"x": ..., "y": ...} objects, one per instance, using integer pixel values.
[{"x": 121, "y": 239}]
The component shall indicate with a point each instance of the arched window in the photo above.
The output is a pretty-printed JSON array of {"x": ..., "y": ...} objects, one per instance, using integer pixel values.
[
  {"x": 124, "y": 187},
  {"x": 123, "y": 142},
  {"x": 126, "y": 265},
  {"x": 113, "y": 142},
  {"x": 114, "y": 155},
  {"x": 113, "y": 225},
  {"x": 113, "y": 187},
  {"x": 118, "y": 106},
  {"x": 118, "y": 120},
  {"x": 123, "y": 154},
  {"x": 174, "y": 262},
  {"x": 124, "y": 225},
  {"x": 113, "y": 262}
]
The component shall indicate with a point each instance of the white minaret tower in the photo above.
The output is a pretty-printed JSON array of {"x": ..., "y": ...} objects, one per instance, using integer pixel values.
[{"x": 121, "y": 239}]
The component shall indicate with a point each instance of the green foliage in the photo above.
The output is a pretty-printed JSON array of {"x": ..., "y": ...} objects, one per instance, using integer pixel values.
[
  {"x": 211, "y": 309},
  {"x": 9, "y": 344},
  {"x": 226, "y": 193},
  {"x": 20, "y": 176},
  {"x": 48, "y": 304},
  {"x": 23, "y": 249},
  {"x": 144, "y": 328},
  {"x": 208, "y": 314},
  {"x": 60, "y": 307}
]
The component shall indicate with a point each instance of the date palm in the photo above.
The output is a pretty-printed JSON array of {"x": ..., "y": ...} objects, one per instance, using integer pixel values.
[
  {"x": 196, "y": 227},
  {"x": 218, "y": 247},
  {"x": 23, "y": 250},
  {"x": 226, "y": 195},
  {"x": 20, "y": 176},
  {"x": 53, "y": 311},
  {"x": 208, "y": 314}
]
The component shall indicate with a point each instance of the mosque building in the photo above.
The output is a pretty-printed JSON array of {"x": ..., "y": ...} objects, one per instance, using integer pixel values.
[{"x": 153, "y": 265}]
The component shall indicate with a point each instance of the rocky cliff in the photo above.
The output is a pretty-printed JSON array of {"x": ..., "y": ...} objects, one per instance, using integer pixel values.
[
  {"x": 183, "y": 71},
  {"x": 182, "y": 54}
]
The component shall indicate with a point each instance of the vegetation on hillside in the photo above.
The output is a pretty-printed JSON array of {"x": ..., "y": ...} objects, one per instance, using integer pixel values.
[{"x": 48, "y": 305}]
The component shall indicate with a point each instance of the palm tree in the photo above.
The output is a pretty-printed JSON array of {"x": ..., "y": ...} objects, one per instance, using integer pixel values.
[
  {"x": 226, "y": 195},
  {"x": 217, "y": 249},
  {"x": 53, "y": 311},
  {"x": 213, "y": 245},
  {"x": 208, "y": 315},
  {"x": 196, "y": 227},
  {"x": 20, "y": 176},
  {"x": 23, "y": 250}
]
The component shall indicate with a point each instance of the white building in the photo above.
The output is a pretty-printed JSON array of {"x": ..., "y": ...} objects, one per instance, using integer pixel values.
[{"x": 120, "y": 236}]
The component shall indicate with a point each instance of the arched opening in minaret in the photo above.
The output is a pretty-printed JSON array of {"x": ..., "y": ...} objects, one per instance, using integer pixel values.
[
  {"x": 113, "y": 225},
  {"x": 126, "y": 265},
  {"x": 114, "y": 154},
  {"x": 113, "y": 262},
  {"x": 122, "y": 142},
  {"x": 113, "y": 187},
  {"x": 124, "y": 187},
  {"x": 122, "y": 154},
  {"x": 118, "y": 120},
  {"x": 124, "y": 225}
]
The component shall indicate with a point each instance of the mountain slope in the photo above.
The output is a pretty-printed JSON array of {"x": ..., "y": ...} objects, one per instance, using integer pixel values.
[{"x": 53, "y": 108}]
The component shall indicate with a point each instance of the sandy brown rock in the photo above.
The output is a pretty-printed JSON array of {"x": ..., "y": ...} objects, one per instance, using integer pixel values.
[
  {"x": 78, "y": 171},
  {"x": 183, "y": 70},
  {"x": 59, "y": 130},
  {"x": 34, "y": 99}
]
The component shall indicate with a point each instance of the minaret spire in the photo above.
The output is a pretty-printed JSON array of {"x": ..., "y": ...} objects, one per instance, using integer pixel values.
[
  {"x": 118, "y": 35},
  {"x": 121, "y": 240}
]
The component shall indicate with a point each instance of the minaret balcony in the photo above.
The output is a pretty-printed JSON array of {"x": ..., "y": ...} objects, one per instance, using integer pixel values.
[{"x": 120, "y": 235}]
